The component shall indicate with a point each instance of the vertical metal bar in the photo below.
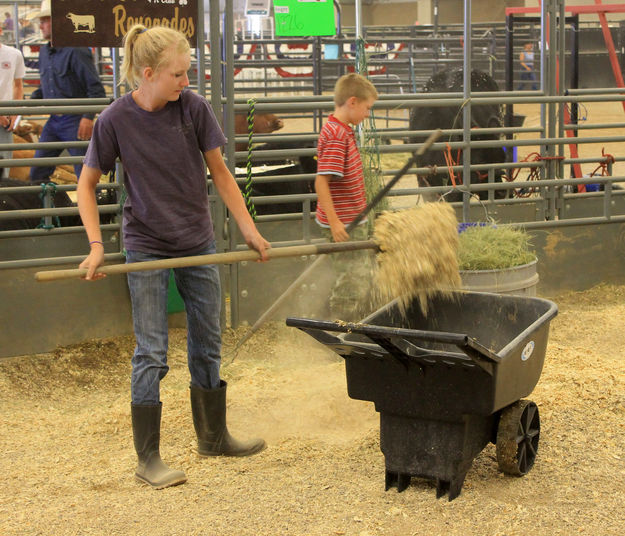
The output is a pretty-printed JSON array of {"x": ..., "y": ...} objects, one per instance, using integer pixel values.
[
  {"x": 509, "y": 81},
  {"x": 562, "y": 117},
  {"x": 115, "y": 60},
  {"x": 607, "y": 200},
  {"x": 466, "y": 112},
  {"x": 552, "y": 107},
  {"x": 228, "y": 55},
  {"x": 561, "y": 86},
  {"x": 215, "y": 58},
  {"x": 119, "y": 168},
  {"x": 46, "y": 202},
  {"x": 306, "y": 221},
  {"x": 544, "y": 71},
  {"x": 316, "y": 61},
  {"x": 574, "y": 115},
  {"x": 200, "y": 55},
  {"x": 16, "y": 27},
  {"x": 575, "y": 66},
  {"x": 219, "y": 210}
]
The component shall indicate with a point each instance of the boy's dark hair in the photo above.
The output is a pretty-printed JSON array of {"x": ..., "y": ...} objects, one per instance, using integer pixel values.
[{"x": 353, "y": 85}]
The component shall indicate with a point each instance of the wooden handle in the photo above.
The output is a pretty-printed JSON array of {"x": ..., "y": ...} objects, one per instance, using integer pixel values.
[{"x": 216, "y": 258}]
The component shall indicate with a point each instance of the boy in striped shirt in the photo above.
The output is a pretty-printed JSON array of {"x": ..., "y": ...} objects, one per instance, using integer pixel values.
[{"x": 340, "y": 188}]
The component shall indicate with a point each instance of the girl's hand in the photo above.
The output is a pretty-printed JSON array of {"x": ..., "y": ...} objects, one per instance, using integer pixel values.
[
  {"x": 254, "y": 240},
  {"x": 91, "y": 263}
]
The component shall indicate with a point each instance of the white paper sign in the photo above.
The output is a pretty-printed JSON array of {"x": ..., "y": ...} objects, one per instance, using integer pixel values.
[{"x": 257, "y": 7}]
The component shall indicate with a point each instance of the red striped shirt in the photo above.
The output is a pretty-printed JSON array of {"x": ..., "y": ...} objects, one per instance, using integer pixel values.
[{"x": 338, "y": 155}]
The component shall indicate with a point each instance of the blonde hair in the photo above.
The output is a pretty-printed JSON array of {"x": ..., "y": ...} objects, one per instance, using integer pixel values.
[
  {"x": 353, "y": 85},
  {"x": 151, "y": 47}
]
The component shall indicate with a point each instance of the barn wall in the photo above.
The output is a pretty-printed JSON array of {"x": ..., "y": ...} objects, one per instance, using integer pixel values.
[
  {"x": 383, "y": 14},
  {"x": 37, "y": 317},
  {"x": 406, "y": 13}
]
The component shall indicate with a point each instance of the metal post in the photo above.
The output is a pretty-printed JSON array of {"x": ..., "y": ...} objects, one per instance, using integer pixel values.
[
  {"x": 317, "y": 76},
  {"x": 575, "y": 65},
  {"x": 466, "y": 112},
  {"x": 16, "y": 27},
  {"x": 509, "y": 80},
  {"x": 215, "y": 57},
  {"x": 219, "y": 209},
  {"x": 544, "y": 71},
  {"x": 552, "y": 107},
  {"x": 561, "y": 78},
  {"x": 228, "y": 84},
  {"x": 200, "y": 56}
]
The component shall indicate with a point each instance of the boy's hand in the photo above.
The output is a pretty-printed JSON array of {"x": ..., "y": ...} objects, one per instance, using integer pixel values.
[{"x": 339, "y": 234}]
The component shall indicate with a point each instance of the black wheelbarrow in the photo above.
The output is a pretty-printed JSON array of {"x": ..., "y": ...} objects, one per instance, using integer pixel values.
[{"x": 448, "y": 383}]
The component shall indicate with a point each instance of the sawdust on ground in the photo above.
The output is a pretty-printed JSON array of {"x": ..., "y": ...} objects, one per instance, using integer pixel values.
[{"x": 67, "y": 456}]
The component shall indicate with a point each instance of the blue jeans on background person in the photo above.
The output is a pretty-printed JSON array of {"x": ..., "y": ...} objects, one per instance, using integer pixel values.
[
  {"x": 57, "y": 128},
  {"x": 528, "y": 76},
  {"x": 199, "y": 287}
]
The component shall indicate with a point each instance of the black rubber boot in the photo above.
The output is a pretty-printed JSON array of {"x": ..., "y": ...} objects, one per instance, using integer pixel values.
[
  {"x": 146, "y": 430},
  {"x": 209, "y": 419}
]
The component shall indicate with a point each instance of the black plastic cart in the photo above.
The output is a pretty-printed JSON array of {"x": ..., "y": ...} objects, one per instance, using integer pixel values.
[{"x": 447, "y": 383}]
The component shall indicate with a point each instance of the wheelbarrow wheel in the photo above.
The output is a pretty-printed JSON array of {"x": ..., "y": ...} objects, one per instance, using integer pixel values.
[{"x": 517, "y": 437}]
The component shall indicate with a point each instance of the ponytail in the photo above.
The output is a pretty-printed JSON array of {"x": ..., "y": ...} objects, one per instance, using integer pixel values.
[{"x": 145, "y": 47}]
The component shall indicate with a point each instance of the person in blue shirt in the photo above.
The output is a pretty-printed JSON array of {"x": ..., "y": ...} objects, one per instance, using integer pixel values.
[
  {"x": 8, "y": 22},
  {"x": 65, "y": 73},
  {"x": 526, "y": 59}
]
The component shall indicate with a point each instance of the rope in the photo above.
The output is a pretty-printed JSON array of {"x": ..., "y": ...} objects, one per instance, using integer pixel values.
[
  {"x": 449, "y": 160},
  {"x": 533, "y": 175},
  {"x": 603, "y": 166},
  {"x": 42, "y": 195},
  {"x": 248, "y": 182},
  {"x": 369, "y": 142}
]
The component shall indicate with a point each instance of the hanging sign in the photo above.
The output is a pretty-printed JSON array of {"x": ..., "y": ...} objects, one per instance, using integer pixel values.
[
  {"x": 257, "y": 7},
  {"x": 302, "y": 18},
  {"x": 104, "y": 23}
]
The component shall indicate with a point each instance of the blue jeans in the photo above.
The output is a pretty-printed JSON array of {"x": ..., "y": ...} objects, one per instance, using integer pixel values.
[
  {"x": 528, "y": 76},
  {"x": 200, "y": 290},
  {"x": 57, "y": 128}
]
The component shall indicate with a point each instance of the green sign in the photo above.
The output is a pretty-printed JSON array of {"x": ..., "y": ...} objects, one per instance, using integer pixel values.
[{"x": 301, "y": 18}]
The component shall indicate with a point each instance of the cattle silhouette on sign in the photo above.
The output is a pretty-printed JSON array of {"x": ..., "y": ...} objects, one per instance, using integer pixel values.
[{"x": 82, "y": 23}]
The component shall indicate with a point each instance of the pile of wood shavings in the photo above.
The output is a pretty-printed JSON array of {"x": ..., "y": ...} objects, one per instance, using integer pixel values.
[{"x": 418, "y": 254}]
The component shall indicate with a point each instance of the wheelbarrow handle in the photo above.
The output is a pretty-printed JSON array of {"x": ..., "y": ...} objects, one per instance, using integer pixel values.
[
  {"x": 473, "y": 349},
  {"x": 216, "y": 258}
]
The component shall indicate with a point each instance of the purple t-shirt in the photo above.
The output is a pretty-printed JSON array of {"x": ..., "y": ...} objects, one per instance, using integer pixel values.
[{"x": 167, "y": 209}]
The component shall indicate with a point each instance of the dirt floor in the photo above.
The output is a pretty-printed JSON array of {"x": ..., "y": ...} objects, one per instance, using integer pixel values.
[{"x": 67, "y": 456}]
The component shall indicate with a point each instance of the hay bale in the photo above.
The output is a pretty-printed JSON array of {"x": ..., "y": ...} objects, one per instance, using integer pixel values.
[
  {"x": 418, "y": 253},
  {"x": 490, "y": 247}
]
